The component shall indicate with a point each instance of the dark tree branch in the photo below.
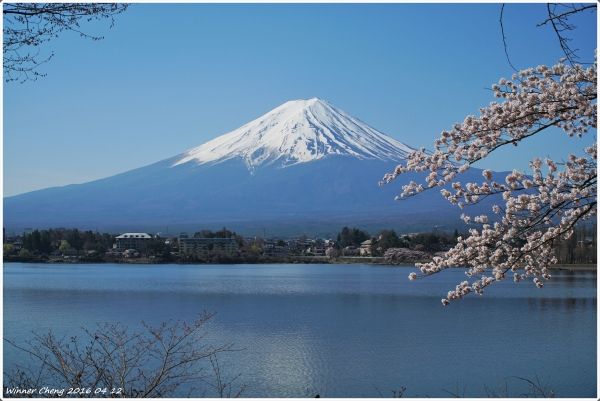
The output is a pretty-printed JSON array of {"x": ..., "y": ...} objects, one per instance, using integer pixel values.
[
  {"x": 504, "y": 38},
  {"x": 155, "y": 363},
  {"x": 559, "y": 24},
  {"x": 565, "y": 14},
  {"x": 33, "y": 24}
]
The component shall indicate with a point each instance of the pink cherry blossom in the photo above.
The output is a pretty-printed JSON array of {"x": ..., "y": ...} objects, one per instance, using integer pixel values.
[{"x": 538, "y": 210}]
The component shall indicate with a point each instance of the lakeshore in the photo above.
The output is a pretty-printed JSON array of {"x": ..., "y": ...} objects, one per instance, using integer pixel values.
[{"x": 267, "y": 260}]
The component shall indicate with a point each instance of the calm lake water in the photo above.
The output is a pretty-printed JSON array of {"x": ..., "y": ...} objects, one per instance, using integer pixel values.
[{"x": 335, "y": 330}]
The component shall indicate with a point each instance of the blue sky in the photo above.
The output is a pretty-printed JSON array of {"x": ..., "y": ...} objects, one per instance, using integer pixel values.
[{"x": 169, "y": 77}]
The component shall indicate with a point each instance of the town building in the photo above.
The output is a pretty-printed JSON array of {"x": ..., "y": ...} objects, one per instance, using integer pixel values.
[
  {"x": 202, "y": 246},
  {"x": 131, "y": 241},
  {"x": 317, "y": 248},
  {"x": 365, "y": 248},
  {"x": 271, "y": 248}
]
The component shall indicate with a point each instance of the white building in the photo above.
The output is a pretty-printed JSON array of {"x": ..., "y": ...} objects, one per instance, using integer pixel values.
[{"x": 131, "y": 241}]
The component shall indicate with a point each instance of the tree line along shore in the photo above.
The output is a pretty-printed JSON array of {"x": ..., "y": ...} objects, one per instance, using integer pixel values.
[{"x": 351, "y": 245}]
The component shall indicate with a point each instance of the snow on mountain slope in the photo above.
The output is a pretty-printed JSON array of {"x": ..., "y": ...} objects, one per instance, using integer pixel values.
[{"x": 296, "y": 132}]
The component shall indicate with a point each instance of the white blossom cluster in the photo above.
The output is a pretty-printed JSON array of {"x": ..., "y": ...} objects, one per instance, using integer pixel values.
[{"x": 538, "y": 210}]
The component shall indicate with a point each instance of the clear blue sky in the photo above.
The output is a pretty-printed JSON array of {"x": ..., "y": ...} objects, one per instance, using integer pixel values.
[{"x": 169, "y": 77}]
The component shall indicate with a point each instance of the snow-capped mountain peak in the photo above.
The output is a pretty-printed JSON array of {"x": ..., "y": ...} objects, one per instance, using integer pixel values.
[{"x": 298, "y": 131}]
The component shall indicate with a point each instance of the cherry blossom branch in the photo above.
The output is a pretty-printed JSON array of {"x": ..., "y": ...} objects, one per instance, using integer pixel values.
[{"x": 538, "y": 210}]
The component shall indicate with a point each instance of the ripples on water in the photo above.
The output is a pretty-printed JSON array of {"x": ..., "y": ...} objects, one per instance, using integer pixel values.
[{"x": 335, "y": 330}]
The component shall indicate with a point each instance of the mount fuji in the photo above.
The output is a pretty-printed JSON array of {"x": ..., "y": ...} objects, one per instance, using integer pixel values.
[
  {"x": 305, "y": 167},
  {"x": 298, "y": 131}
]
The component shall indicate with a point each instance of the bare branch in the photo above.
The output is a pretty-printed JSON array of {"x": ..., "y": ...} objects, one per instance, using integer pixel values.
[
  {"x": 29, "y": 25},
  {"x": 560, "y": 24},
  {"x": 504, "y": 37},
  {"x": 156, "y": 363},
  {"x": 565, "y": 14}
]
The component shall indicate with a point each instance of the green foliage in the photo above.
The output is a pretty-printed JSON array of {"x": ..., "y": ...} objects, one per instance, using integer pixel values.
[
  {"x": 156, "y": 246},
  {"x": 222, "y": 233},
  {"x": 75, "y": 239},
  {"x": 385, "y": 239},
  {"x": 37, "y": 241},
  {"x": 433, "y": 241},
  {"x": 388, "y": 239},
  {"x": 204, "y": 234},
  {"x": 46, "y": 241},
  {"x": 8, "y": 249},
  {"x": 354, "y": 237},
  {"x": 100, "y": 248},
  {"x": 429, "y": 241},
  {"x": 255, "y": 250}
]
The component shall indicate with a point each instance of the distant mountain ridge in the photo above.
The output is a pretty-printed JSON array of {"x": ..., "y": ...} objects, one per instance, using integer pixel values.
[{"x": 306, "y": 167}]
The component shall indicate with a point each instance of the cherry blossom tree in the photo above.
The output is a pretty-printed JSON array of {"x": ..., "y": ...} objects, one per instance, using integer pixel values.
[{"x": 537, "y": 210}]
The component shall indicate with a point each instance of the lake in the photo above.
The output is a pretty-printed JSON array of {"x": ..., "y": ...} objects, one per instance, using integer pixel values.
[{"x": 333, "y": 330}]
